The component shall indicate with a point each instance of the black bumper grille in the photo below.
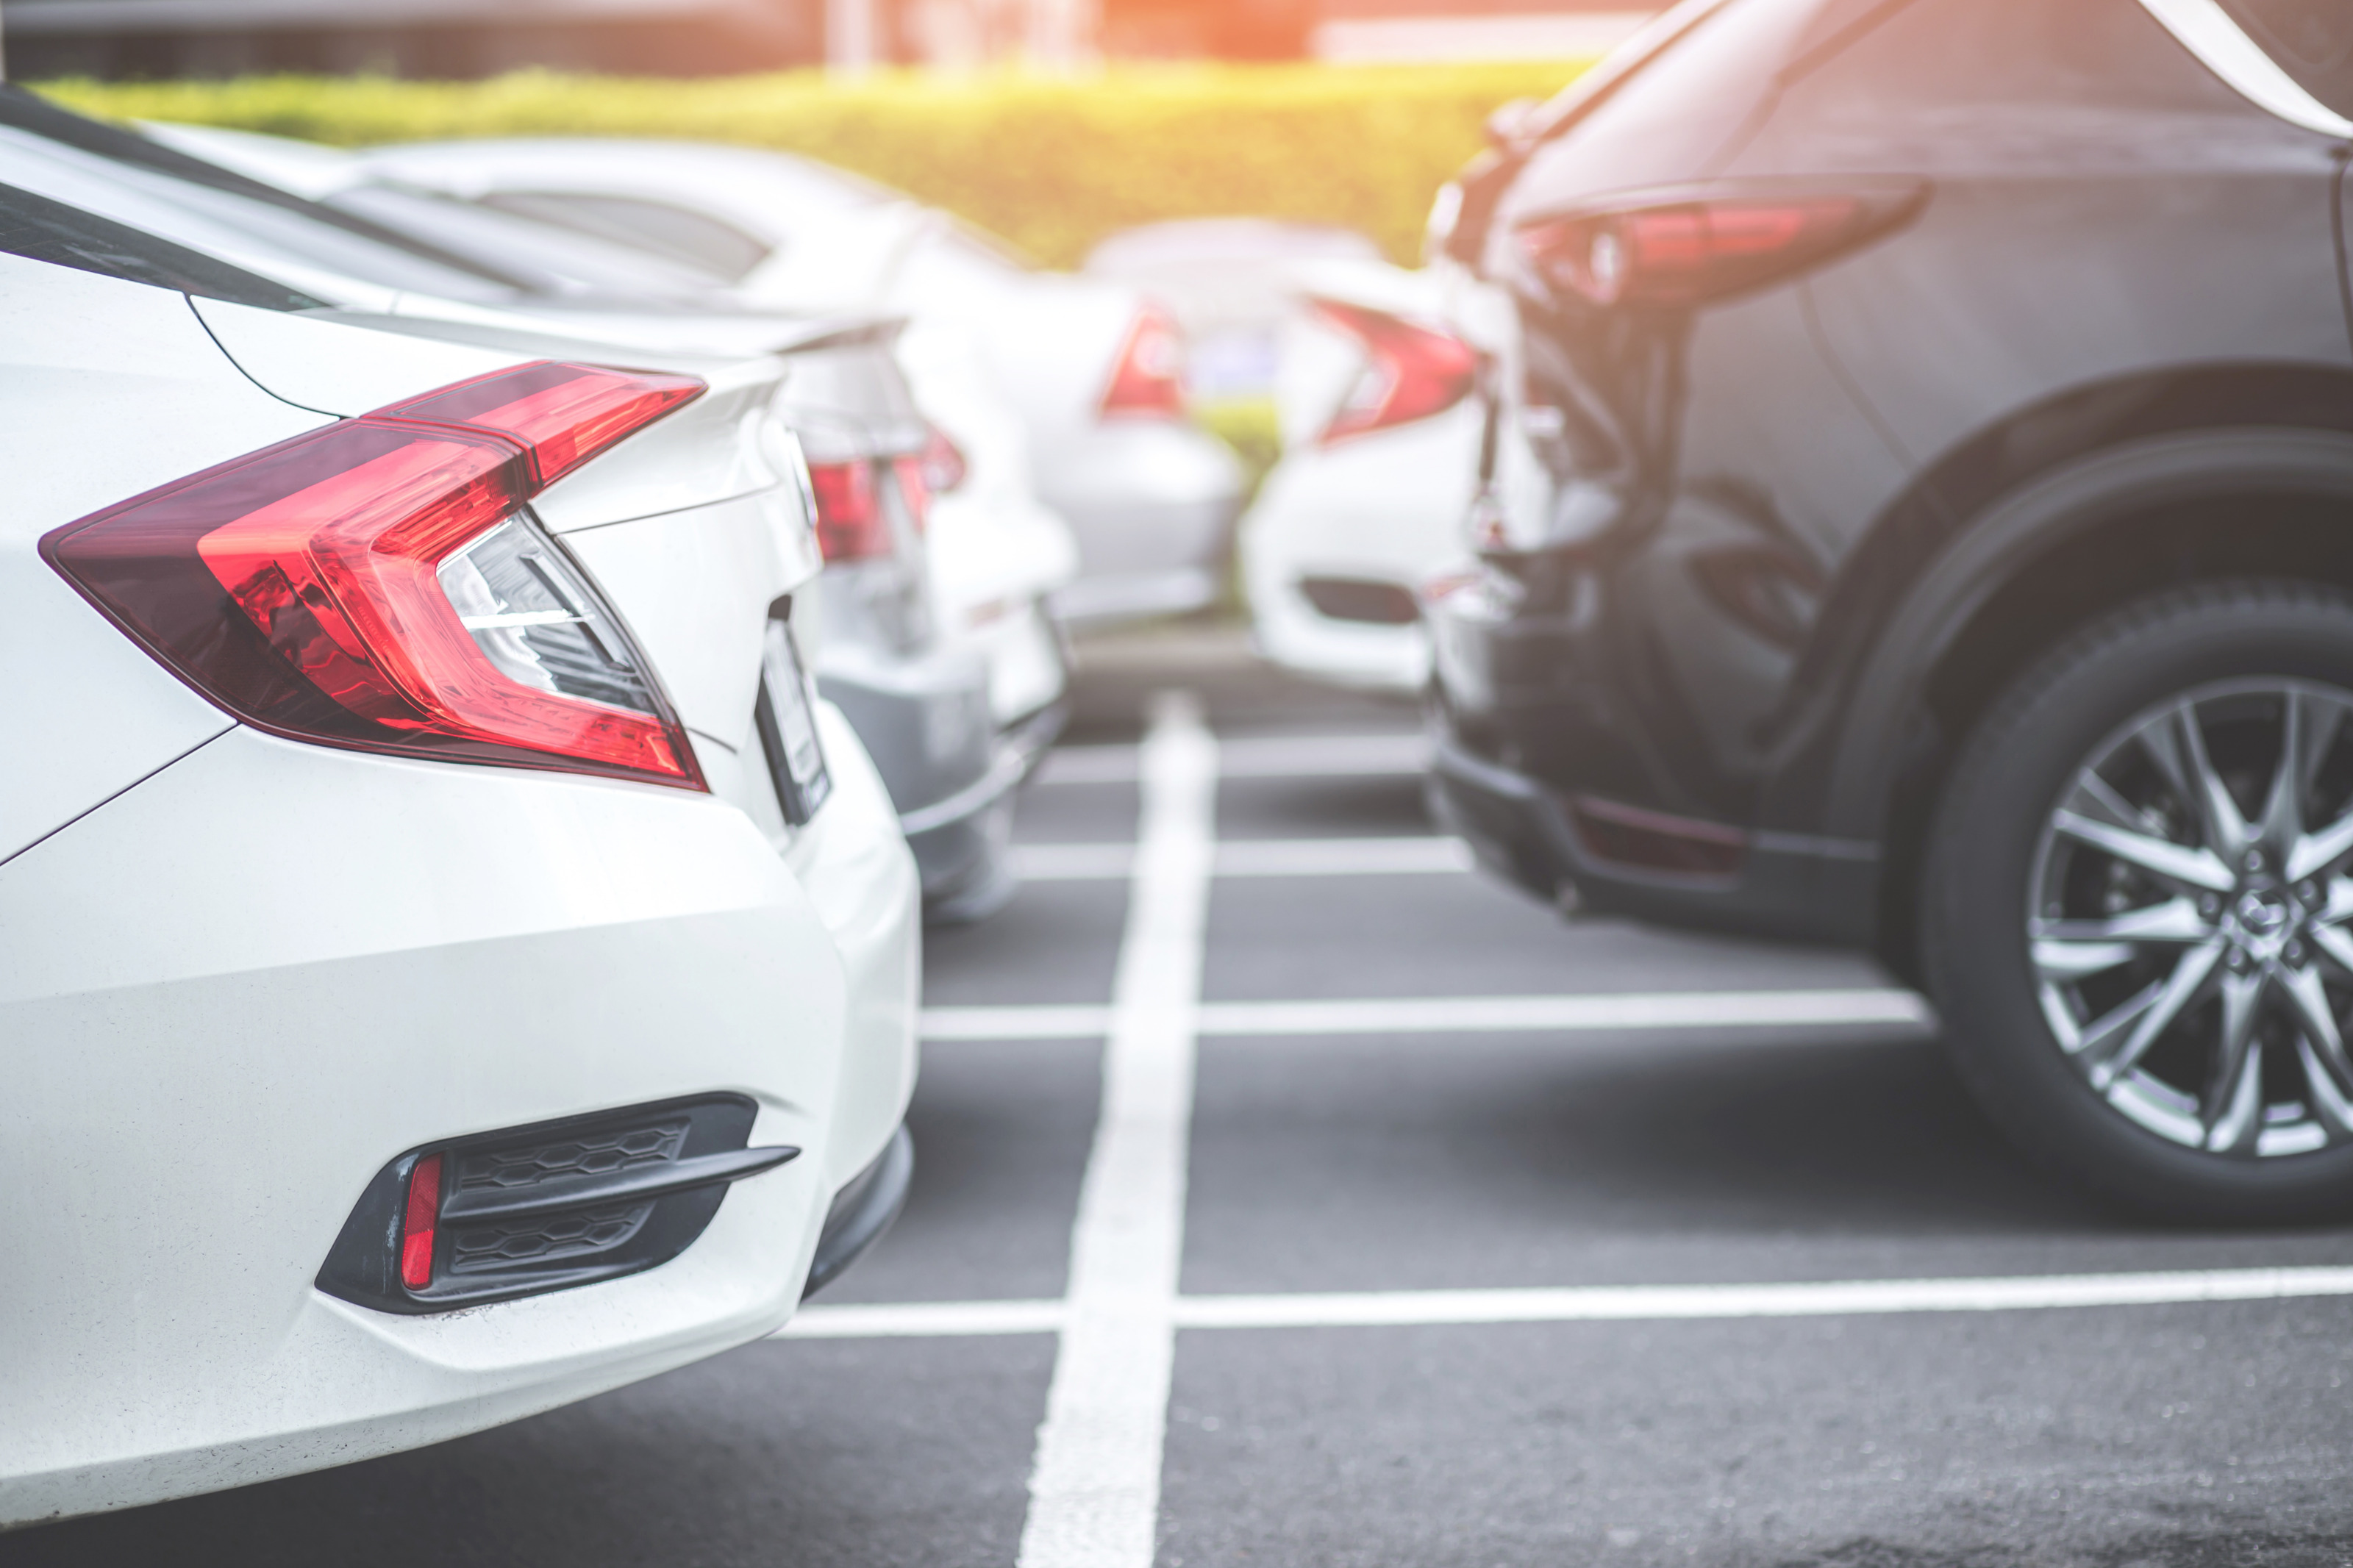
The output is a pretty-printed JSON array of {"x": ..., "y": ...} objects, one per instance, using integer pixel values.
[{"x": 553, "y": 1205}]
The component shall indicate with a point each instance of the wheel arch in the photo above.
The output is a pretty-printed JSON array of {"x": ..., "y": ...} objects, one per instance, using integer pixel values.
[{"x": 2017, "y": 566}]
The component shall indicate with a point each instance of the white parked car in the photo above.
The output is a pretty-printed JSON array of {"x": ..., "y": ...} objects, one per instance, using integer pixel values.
[
  {"x": 921, "y": 700},
  {"x": 1094, "y": 370},
  {"x": 1380, "y": 465},
  {"x": 450, "y": 962},
  {"x": 1228, "y": 281}
]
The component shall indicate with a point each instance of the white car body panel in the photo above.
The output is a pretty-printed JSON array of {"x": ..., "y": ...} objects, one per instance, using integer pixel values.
[
  {"x": 246, "y": 970},
  {"x": 170, "y": 406}
]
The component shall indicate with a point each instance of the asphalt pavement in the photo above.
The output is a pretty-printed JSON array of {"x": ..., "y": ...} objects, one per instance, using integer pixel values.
[{"x": 1414, "y": 1225}]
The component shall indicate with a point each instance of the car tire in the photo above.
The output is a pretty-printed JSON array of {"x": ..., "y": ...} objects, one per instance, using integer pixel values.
[{"x": 2021, "y": 899}]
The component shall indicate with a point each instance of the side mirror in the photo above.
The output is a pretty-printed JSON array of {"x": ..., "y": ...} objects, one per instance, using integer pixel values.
[{"x": 1510, "y": 120}]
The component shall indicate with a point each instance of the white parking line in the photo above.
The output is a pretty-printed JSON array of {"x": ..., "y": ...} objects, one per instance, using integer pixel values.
[
  {"x": 1460, "y": 1014},
  {"x": 1606, "y": 1303},
  {"x": 1254, "y": 757},
  {"x": 1095, "y": 1491},
  {"x": 1256, "y": 858}
]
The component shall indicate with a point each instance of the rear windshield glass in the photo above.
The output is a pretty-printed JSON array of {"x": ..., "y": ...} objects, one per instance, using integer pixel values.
[
  {"x": 303, "y": 230},
  {"x": 39, "y": 229},
  {"x": 719, "y": 250},
  {"x": 2312, "y": 40}
]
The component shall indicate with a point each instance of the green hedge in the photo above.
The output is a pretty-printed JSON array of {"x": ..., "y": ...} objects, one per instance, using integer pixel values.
[{"x": 1052, "y": 164}]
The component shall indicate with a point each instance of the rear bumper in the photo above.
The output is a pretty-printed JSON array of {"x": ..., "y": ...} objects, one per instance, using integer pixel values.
[
  {"x": 1595, "y": 855},
  {"x": 330, "y": 959},
  {"x": 862, "y": 1211},
  {"x": 926, "y": 722}
]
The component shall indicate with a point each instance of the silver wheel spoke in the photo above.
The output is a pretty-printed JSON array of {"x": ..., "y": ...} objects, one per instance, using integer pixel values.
[
  {"x": 2310, "y": 998},
  {"x": 2175, "y": 862},
  {"x": 2329, "y": 1091},
  {"x": 2318, "y": 852},
  {"x": 2234, "y": 1109},
  {"x": 2157, "y": 1008},
  {"x": 2337, "y": 945},
  {"x": 2227, "y": 833},
  {"x": 2098, "y": 799},
  {"x": 2309, "y": 729},
  {"x": 2070, "y": 949}
]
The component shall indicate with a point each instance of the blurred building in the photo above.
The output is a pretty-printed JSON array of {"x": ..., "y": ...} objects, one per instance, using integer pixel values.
[
  {"x": 458, "y": 38},
  {"x": 446, "y": 39}
]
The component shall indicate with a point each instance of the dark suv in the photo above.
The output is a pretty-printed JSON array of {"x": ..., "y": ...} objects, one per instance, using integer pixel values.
[{"x": 1918, "y": 515}]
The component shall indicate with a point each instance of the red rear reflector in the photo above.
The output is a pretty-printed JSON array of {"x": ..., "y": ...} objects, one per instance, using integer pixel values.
[
  {"x": 1413, "y": 371},
  {"x": 1148, "y": 381},
  {"x": 1689, "y": 252},
  {"x": 375, "y": 583},
  {"x": 1653, "y": 841},
  {"x": 850, "y": 524},
  {"x": 562, "y": 415},
  {"x": 419, "y": 1221}
]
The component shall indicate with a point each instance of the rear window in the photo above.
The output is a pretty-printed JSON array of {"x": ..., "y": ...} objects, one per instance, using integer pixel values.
[
  {"x": 674, "y": 233},
  {"x": 40, "y": 229},
  {"x": 310, "y": 233},
  {"x": 2312, "y": 40}
]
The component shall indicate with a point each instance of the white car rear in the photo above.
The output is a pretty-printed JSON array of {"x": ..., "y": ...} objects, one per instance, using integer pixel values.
[
  {"x": 1380, "y": 466},
  {"x": 418, "y": 1002}
]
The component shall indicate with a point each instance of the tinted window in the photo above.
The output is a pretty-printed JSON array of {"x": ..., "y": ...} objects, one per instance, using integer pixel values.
[
  {"x": 720, "y": 249},
  {"x": 42, "y": 230},
  {"x": 2311, "y": 39}
]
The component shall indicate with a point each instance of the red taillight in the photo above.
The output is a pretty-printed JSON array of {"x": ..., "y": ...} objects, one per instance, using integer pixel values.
[
  {"x": 1413, "y": 371},
  {"x": 945, "y": 468},
  {"x": 1688, "y": 252},
  {"x": 850, "y": 524},
  {"x": 1149, "y": 382},
  {"x": 563, "y": 414},
  {"x": 418, "y": 1220},
  {"x": 913, "y": 475},
  {"x": 376, "y": 584}
]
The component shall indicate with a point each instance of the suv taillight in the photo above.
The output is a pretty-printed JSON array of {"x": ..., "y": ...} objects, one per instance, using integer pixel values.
[
  {"x": 378, "y": 584},
  {"x": 1696, "y": 249},
  {"x": 1410, "y": 373},
  {"x": 1148, "y": 381}
]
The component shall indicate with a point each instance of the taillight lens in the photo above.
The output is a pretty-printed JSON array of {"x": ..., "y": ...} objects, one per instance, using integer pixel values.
[
  {"x": 1411, "y": 371},
  {"x": 377, "y": 583},
  {"x": 850, "y": 524},
  {"x": 945, "y": 468},
  {"x": 1149, "y": 382},
  {"x": 1689, "y": 252},
  {"x": 562, "y": 415},
  {"x": 913, "y": 475}
]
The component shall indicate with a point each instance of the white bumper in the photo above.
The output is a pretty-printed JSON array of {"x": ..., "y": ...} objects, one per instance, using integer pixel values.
[
  {"x": 358, "y": 956},
  {"x": 1386, "y": 508}
]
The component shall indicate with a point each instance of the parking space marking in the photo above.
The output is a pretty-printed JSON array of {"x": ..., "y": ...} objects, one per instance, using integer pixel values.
[
  {"x": 1396, "y": 856},
  {"x": 1254, "y": 757},
  {"x": 1094, "y": 1490},
  {"x": 1605, "y": 1303},
  {"x": 1728, "y": 1010}
]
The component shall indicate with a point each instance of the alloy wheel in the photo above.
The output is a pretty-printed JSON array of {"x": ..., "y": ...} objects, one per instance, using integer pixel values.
[{"x": 2190, "y": 922}]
